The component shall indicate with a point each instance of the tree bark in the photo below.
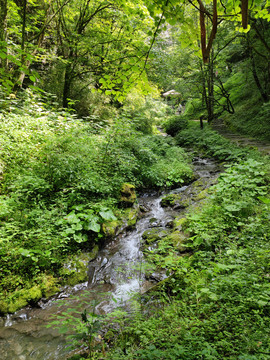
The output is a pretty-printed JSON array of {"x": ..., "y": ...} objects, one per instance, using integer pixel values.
[
  {"x": 21, "y": 76},
  {"x": 210, "y": 83},
  {"x": 67, "y": 85},
  {"x": 3, "y": 33},
  {"x": 263, "y": 93}
]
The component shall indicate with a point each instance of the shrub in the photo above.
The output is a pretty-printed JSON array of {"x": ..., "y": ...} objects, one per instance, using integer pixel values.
[{"x": 175, "y": 124}]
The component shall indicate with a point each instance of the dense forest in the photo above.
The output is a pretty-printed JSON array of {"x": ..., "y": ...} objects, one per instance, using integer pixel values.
[{"x": 105, "y": 102}]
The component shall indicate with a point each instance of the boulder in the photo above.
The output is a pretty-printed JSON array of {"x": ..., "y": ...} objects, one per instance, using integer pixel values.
[
  {"x": 154, "y": 234},
  {"x": 128, "y": 195}
]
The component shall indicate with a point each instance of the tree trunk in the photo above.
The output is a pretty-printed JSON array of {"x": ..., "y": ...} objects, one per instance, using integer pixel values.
[
  {"x": 263, "y": 93},
  {"x": 67, "y": 85},
  {"x": 22, "y": 74},
  {"x": 210, "y": 83},
  {"x": 3, "y": 33}
]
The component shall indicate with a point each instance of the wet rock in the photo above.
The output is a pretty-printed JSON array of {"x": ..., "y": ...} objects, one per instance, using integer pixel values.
[
  {"x": 157, "y": 276},
  {"x": 170, "y": 223},
  {"x": 154, "y": 234},
  {"x": 91, "y": 274},
  {"x": 176, "y": 201},
  {"x": 153, "y": 222},
  {"x": 75, "y": 270},
  {"x": 110, "y": 228},
  {"x": 144, "y": 208},
  {"x": 104, "y": 262}
]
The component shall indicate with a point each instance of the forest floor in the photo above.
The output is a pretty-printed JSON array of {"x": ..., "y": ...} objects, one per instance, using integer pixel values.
[{"x": 241, "y": 140}]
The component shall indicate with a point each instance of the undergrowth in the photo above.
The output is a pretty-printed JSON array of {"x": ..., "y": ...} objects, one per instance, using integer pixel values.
[
  {"x": 216, "y": 303},
  {"x": 210, "y": 143},
  {"x": 60, "y": 181}
]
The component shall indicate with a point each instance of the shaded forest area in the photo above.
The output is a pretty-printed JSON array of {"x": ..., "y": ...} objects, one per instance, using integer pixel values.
[{"x": 81, "y": 119}]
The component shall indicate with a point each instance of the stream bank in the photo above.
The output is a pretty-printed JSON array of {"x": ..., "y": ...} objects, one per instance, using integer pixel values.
[{"x": 115, "y": 272}]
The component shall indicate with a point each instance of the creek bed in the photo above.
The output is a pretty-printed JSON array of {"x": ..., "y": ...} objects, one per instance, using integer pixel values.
[{"x": 115, "y": 273}]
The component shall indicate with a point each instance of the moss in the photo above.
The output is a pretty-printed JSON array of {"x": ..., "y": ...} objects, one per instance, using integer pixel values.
[
  {"x": 46, "y": 285},
  {"x": 110, "y": 228},
  {"x": 15, "y": 304},
  {"x": 179, "y": 223},
  {"x": 93, "y": 254},
  {"x": 3, "y": 307},
  {"x": 131, "y": 215},
  {"x": 127, "y": 195},
  {"x": 155, "y": 234},
  {"x": 168, "y": 200},
  {"x": 75, "y": 269},
  {"x": 202, "y": 195},
  {"x": 20, "y": 299},
  {"x": 177, "y": 239},
  {"x": 127, "y": 219},
  {"x": 33, "y": 294},
  {"x": 175, "y": 201},
  {"x": 49, "y": 285}
]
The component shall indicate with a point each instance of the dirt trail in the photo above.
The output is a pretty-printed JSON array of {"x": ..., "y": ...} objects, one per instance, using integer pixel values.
[{"x": 241, "y": 140}]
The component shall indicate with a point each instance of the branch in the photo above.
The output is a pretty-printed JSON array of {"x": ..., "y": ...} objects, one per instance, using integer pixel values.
[
  {"x": 154, "y": 38},
  {"x": 49, "y": 21},
  {"x": 261, "y": 37}
]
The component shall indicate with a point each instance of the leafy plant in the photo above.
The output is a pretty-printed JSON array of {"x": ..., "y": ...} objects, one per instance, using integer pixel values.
[
  {"x": 83, "y": 220},
  {"x": 82, "y": 329},
  {"x": 174, "y": 124}
]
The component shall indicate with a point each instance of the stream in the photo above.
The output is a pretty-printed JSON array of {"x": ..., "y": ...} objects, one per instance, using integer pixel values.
[{"x": 113, "y": 276}]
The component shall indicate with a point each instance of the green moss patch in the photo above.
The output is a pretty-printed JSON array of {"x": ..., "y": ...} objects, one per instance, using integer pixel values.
[{"x": 155, "y": 234}]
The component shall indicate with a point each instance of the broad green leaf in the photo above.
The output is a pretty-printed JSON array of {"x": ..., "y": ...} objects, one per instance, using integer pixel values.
[{"x": 107, "y": 215}]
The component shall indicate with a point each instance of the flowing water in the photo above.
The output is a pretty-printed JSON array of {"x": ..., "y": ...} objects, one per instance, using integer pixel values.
[{"x": 115, "y": 274}]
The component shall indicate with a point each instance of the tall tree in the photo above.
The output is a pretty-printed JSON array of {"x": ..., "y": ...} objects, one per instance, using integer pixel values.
[{"x": 3, "y": 35}]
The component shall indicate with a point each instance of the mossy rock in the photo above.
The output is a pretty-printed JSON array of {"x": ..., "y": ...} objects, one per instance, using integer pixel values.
[
  {"x": 33, "y": 295},
  {"x": 168, "y": 200},
  {"x": 49, "y": 285},
  {"x": 199, "y": 186},
  {"x": 16, "y": 304},
  {"x": 75, "y": 269},
  {"x": 179, "y": 223},
  {"x": 127, "y": 195},
  {"x": 131, "y": 216},
  {"x": 110, "y": 228},
  {"x": 93, "y": 254},
  {"x": 3, "y": 307},
  {"x": 154, "y": 234},
  {"x": 177, "y": 239},
  {"x": 127, "y": 219},
  {"x": 202, "y": 195},
  {"x": 176, "y": 201},
  {"x": 20, "y": 299}
]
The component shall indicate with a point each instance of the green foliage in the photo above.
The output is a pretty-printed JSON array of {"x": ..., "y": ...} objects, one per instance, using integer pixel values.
[
  {"x": 83, "y": 221},
  {"x": 174, "y": 124},
  {"x": 61, "y": 179},
  {"x": 210, "y": 142},
  {"x": 232, "y": 206},
  {"x": 81, "y": 329},
  {"x": 215, "y": 303}
]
